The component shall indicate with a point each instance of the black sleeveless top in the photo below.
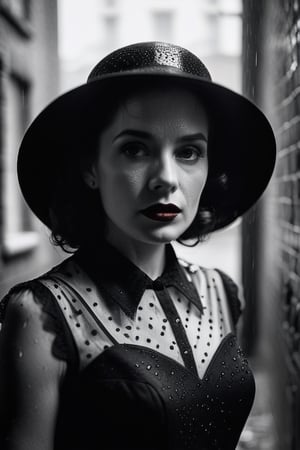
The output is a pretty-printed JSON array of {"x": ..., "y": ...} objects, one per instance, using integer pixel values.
[{"x": 135, "y": 397}]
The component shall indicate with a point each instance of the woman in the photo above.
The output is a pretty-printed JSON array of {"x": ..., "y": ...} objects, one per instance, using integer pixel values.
[{"x": 123, "y": 346}]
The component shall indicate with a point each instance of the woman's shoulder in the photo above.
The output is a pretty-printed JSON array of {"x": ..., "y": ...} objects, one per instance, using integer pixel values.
[
  {"x": 225, "y": 285},
  {"x": 216, "y": 274},
  {"x": 28, "y": 293},
  {"x": 32, "y": 299},
  {"x": 19, "y": 302},
  {"x": 24, "y": 322}
]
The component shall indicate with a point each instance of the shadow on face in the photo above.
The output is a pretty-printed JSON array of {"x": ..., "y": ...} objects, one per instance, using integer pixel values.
[{"x": 153, "y": 152}]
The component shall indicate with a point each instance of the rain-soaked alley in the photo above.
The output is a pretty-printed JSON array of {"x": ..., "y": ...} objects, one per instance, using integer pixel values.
[{"x": 251, "y": 47}]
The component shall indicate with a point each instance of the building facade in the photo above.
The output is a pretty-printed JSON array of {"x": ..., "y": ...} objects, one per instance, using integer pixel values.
[
  {"x": 28, "y": 81},
  {"x": 210, "y": 29}
]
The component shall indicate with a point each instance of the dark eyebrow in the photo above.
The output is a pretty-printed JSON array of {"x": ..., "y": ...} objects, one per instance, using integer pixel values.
[
  {"x": 193, "y": 137},
  {"x": 146, "y": 135},
  {"x": 135, "y": 133}
]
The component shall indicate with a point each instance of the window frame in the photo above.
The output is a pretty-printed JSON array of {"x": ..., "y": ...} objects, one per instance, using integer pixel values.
[
  {"x": 15, "y": 243},
  {"x": 22, "y": 24}
]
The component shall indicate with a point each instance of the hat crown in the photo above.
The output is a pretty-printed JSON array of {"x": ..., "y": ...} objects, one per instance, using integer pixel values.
[{"x": 147, "y": 56}]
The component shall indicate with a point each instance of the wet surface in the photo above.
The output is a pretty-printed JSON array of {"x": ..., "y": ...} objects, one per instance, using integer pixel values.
[{"x": 259, "y": 432}]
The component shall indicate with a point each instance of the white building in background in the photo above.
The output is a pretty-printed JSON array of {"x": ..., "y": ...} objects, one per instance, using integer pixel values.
[
  {"x": 212, "y": 29},
  {"x": 91, "y": 29}
]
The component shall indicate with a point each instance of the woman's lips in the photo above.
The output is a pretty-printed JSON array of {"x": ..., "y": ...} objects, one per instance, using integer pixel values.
[{"x": 162, "y": 212}]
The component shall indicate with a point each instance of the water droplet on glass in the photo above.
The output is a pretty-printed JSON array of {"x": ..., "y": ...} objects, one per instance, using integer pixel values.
[
  {"x": 20, "y": 354},
  {"x": 148, "y": 367}
]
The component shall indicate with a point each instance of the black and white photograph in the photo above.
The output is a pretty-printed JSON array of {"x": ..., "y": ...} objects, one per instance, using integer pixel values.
[{"x": 149, "y": 225}]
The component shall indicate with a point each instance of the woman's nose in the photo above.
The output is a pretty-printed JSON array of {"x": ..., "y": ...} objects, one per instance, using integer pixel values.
[{"x": 164, "y": 175}]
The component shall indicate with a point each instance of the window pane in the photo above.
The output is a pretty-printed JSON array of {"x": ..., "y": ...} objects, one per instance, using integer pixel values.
[
  {"x": 16, "y": 104},
  {"x": 19, "y": 8}
]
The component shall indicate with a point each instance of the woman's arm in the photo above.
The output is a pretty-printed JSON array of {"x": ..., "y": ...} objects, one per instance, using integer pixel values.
[{"x": 30, "y": 377}]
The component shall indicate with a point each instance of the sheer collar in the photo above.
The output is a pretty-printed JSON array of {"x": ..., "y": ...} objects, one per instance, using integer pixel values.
[{"x": 125, "y": 283}]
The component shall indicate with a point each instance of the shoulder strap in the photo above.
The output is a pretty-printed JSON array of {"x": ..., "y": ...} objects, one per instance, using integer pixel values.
[
  {"x": 85, "y": 304},
  {"x": 231, "y": 290}
]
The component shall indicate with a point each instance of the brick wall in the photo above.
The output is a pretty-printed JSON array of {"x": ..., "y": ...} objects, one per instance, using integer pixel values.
[{"x": 271, "y": 232}]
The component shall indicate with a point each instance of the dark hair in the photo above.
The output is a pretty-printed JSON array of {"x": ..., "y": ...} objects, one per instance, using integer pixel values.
[{"x": 76, "y": 211}]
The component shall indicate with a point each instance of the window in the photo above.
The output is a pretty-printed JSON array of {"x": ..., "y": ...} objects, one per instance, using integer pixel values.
[
  {"x": 18, "y": 14},
  {"x": 163, "y": 25},
  {"x": 18, "y": 8},
  {"x": 18, "y": 234}
]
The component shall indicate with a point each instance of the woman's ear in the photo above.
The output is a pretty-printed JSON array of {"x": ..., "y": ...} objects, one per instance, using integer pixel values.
[
  {"x": 89, "y": 174},
  {"x": 90, "y": 181}
]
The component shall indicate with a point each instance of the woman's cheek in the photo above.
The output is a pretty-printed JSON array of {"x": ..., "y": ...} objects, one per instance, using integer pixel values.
[{"x": 134, "y": 180}]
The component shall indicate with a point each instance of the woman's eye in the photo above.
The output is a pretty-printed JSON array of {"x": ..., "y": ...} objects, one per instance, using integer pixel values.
[
  {"x": 190, "y": 153},
  {"x": 134, "y": 150}
]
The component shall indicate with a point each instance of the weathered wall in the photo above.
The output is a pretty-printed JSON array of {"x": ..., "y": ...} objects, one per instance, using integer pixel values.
[{"x": 272, "y": 231}]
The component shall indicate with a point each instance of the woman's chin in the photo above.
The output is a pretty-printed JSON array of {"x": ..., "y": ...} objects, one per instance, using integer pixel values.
[{"x": 162, "y": 236}]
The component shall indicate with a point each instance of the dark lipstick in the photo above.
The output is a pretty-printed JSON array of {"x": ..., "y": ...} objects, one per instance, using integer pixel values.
[{"x": 162, "y": 212}]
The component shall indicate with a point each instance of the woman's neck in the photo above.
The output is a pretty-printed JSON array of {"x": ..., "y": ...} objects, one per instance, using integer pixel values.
[{"x": 150, "y": 258}]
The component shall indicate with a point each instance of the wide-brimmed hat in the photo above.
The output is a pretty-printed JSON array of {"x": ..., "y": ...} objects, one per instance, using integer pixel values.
[{"x": 241, "y": 141}]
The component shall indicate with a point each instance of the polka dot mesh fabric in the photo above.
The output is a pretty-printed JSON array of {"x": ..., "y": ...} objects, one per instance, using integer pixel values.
[
  {"x": 134, "y": 376},
  {"x": 97, "y": 325}
]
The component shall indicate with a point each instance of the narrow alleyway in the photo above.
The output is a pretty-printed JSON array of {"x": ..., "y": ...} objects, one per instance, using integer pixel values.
[{"x": 259, "y": 432}]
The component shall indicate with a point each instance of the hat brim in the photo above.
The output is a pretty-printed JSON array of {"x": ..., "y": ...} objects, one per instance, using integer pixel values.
[{"x": 241, "y": 143}]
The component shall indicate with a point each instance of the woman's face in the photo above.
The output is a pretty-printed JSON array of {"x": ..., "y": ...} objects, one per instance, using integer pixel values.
[{"x": 152, "y": 165}]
